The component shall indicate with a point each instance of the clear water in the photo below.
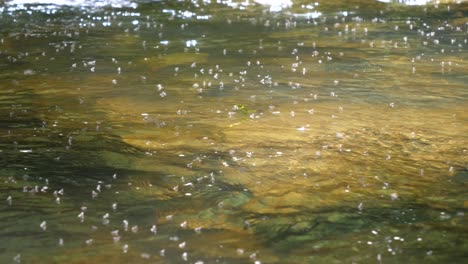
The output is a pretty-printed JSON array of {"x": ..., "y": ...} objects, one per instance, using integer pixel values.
[{"x": 233, "y": 132}]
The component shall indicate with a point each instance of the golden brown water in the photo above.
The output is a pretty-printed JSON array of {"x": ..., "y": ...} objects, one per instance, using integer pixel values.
[{"x": 234, "y": 132}]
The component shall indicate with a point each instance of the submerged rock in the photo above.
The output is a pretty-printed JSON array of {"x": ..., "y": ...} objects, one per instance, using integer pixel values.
[{"x": 461, "y": 176}]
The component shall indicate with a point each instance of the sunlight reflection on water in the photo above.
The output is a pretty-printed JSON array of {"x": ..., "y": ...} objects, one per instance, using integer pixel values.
[
  {"x": 91, "y": 3},
  {"x": 415, "y": 2}
]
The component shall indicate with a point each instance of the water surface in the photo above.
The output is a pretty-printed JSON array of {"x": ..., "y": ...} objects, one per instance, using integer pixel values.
[{"x": 233, "y": 132}]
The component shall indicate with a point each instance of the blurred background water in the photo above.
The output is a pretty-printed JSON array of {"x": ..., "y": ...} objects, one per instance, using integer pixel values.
[{"x": 233, "y": 131}]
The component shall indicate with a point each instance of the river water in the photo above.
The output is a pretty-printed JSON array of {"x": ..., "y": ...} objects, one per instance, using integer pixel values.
[{"x": 233, "y": 132}]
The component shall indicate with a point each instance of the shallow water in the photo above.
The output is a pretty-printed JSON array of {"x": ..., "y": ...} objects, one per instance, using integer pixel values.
[{"x": 233, "y": 132}]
